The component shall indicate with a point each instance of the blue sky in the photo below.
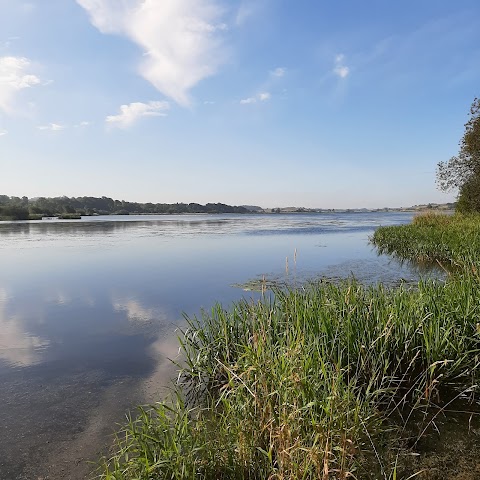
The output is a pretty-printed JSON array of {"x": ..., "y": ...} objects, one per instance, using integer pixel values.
[{"x": 267, "y": 102}]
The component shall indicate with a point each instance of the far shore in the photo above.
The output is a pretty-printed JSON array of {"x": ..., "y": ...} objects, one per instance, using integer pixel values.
[{"x": 444, "y": 209}]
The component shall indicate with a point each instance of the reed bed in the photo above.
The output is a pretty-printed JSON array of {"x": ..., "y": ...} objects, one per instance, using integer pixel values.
[
  {"x": 450, "y": 240},
  {"x": 329, "y": 381}
]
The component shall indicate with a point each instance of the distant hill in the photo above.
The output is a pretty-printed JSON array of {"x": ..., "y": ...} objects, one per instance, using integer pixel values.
[
  {"x": 435, "y": 206},
  {"x": 253, "y": 208},
  {"x": 414, "y": 208}
]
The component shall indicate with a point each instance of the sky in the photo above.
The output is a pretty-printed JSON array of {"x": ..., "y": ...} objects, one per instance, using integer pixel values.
[{"x": 274, "y": 103}]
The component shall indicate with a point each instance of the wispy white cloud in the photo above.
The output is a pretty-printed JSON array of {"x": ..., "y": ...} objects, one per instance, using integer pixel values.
[
  {"x": 246, "y": 101},
  {"x": 2, "y": 132},
  {"x": 340, "y": 69},
  {"x": 250, "y": 9},
  {"x": 260, "y": 97},
  {"x": 52, "y": 127},
  {"x": 278, "y": 72},
  {"x": 132, "y": 112},
  {"x": 245, "y": 11},
  {"x": 83, "y": 124},
  {"x": 408, "y": 58},
  {"x": 180, "y": 38},
  {"x": 264, "y": 89},
  {"x": 15, "y": 75}
]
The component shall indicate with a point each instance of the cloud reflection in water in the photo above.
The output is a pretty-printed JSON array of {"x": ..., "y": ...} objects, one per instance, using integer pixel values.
[{"x": 17, "y": 347}]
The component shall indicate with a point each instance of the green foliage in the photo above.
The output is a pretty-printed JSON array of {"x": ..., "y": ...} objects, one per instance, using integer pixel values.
[
  {"x": 469, "y": 196},
  {"x": 462, "y": 172},
  {"x": 14, "y": 212}
]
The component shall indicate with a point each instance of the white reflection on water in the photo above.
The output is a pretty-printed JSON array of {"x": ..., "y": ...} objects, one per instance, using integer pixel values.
[
  {"x": 135, "y": 311},
  {"x": 17, "y": 347},
  {"x": 60, "y": 298}
]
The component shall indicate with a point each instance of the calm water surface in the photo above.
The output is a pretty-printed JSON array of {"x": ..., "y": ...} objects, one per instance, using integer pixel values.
[{"x": 88, "y": 311}]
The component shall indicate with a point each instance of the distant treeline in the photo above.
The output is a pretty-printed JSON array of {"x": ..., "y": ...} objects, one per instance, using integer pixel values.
[{"x": 23, "y": 208}]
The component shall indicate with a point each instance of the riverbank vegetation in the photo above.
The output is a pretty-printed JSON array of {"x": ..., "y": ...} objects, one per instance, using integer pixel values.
[
  {"x": 23, "y": 208},
  {"x": 452, "y": 241},
  {"x": 329, "y": 381}
]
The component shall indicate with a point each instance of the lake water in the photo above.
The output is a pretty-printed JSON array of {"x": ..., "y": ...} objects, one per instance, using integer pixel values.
[{"x": 89, "y": 308}]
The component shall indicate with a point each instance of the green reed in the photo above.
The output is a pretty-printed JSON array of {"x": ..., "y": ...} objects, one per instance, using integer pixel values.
[
  {"x": 450, "y": 240},
  {"x": 325, "y": 381}
]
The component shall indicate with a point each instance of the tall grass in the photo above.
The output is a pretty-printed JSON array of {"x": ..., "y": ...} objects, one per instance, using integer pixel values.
[
  {"x": 325, "y": 381},
  {"x": 451, "y": 240}
]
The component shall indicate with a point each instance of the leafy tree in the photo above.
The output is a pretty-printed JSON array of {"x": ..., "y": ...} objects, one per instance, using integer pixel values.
[
  {"x": 462, "y": 172},
  {"x": 68, "y": 209},
  {"x": 14, "y": 212},
  {"x": 468, "y": 200},
  {"x": 101, "y": 206},
  {"x": 35, "y": 210}
]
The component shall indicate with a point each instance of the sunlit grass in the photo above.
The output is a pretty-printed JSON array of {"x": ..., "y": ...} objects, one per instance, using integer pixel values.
[
  {"x": 326, "y": 381},
  {"x": 449, "y": 240}
]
